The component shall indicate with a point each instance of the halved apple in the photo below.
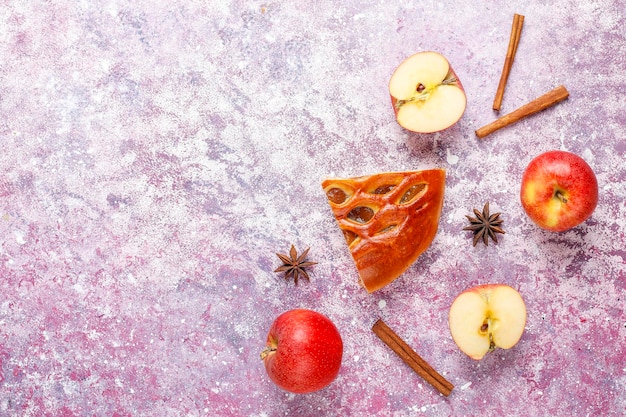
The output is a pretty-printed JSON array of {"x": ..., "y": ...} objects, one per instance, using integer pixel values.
[
  {"x": 426, "y": 94},
  {"x": 485, "y": 317}
]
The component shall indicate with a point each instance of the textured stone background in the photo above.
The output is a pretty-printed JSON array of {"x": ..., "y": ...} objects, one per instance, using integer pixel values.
[{"x": 155, "y": 155}]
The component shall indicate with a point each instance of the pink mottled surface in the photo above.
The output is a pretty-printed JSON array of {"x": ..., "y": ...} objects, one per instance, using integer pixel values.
[{"x": 155, "y": 155}]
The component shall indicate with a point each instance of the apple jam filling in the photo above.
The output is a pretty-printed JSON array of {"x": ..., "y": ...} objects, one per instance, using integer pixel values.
[
  {"x": 337, "y": 195},
  {"x": 384, "y": 189},
  {"x": 361, "y": 214},
  {"x": 412, "y": 193}
]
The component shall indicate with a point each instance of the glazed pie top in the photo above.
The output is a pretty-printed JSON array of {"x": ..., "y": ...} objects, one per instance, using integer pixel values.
[{"x": 387, "y": 219}]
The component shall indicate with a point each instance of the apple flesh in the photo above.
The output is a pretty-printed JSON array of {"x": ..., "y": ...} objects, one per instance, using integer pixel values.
[
  {"x": 303, "y": 351},
  {"x": 559, "y": 190},
  {"x": 426, "y": 94},
  {"x": 486, "y": 317}
]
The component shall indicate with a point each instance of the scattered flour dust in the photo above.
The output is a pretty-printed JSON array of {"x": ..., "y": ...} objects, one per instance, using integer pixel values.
[
  {"x": 452, "y": 159},
  {"x": 19, "y": 237},
  {"x": 244, "y": 330}
]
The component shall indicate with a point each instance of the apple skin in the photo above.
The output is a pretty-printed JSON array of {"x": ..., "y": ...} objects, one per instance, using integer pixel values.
[
  {"x": 559, "y": 190},
  {"x": 303, "y": 352}
]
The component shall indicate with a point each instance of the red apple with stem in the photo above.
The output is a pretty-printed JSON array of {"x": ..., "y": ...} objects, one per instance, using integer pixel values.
[
  {"x": 303, "y": 352},
  {"x": 559, "y": 190}
]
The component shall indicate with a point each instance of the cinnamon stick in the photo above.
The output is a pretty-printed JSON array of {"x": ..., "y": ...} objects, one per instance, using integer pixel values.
[
  {"x": 516, "y": 32},
  {"x": 541, "y": 103},
  {"x": 411, "y": 358}
]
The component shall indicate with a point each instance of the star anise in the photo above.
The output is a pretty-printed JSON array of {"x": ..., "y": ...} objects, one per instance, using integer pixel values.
[
  {"x": 294, "y": 265},
  {"x": 485, "y": 225}
]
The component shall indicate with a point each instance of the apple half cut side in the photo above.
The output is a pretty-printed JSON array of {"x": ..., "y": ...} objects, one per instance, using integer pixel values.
[
  {"x": 426, "y": 93},
  {"x": 486, "y": 317}
]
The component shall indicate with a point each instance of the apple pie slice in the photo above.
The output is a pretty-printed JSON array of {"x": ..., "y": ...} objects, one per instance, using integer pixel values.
[{"x": 387, "y": 219}]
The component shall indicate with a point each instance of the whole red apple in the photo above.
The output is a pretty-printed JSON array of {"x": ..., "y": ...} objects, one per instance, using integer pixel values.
[
  {"x": 303, "y": 352},
  {"x": 559, "y": 190}
]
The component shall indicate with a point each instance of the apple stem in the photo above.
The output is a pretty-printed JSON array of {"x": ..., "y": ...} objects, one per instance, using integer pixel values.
[
  {"x": 267, "y": 351},
  {"x": 558, "y": 194}
]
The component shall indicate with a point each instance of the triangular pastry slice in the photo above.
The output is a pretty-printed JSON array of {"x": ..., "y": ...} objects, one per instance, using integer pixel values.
[{"x": 387, "y": 219}]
